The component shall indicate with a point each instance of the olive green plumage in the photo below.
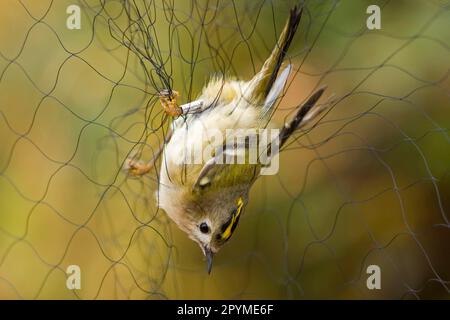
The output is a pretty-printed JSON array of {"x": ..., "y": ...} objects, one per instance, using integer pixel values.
[{"x": 206, "y": 199}]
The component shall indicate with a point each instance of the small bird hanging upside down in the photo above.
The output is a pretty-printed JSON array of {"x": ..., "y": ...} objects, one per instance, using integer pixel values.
[{"x": 207, "y": 199}]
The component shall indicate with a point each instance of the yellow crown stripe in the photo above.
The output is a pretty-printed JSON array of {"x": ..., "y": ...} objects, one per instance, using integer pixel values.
[{"x": 227, "y": 233}]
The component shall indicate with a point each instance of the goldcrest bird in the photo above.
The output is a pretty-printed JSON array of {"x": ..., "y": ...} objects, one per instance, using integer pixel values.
[{"x": 207, "y": 198}]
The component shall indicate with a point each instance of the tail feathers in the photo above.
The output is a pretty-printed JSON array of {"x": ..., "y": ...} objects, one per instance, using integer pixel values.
[
  {"x": 306, "y": 113},
  {"x": 273, "y": 64},
  {"x": 276, "y": 91},
  {"x": 266, "y": 77}
]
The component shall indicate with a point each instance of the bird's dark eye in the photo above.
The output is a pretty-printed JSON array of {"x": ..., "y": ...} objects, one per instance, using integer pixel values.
[{"x": 204, "y": 227}]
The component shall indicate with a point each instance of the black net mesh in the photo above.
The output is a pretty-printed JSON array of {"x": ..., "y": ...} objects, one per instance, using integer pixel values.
[{"x": 367, "y": 184}]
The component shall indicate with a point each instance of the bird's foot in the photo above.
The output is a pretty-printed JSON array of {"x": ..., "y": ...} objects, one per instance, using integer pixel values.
[
  {"x": 137, "y": 168},
  {"x": 168, "y": 100}
]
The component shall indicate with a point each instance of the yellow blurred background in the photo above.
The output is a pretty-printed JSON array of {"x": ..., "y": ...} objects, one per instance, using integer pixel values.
[{"x": 369, "y": 184}]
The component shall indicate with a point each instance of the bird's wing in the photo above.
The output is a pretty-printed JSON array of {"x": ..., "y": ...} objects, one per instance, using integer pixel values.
[{"x": 216, "y": 174}]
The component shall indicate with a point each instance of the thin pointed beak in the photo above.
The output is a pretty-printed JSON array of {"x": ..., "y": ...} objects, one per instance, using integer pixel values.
[{"x": 209, "y": 258}]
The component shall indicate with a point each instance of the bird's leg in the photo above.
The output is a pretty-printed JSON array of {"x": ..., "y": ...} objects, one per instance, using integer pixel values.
[
  {"x": 168, "y": 100},
  {"x": 138, "y": 168}
]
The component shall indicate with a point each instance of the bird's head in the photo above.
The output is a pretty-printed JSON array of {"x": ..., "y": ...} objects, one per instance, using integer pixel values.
[{"x": 209, "y": 217}]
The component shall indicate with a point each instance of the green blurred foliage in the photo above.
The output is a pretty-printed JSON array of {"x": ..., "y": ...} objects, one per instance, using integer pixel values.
[{"x": 369, "y": 184}]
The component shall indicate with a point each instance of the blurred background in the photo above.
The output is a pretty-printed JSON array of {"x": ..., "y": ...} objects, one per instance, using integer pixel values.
[{"x": 367, "y": 184}]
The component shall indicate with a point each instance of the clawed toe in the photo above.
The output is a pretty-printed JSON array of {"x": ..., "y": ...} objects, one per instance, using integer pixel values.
[
  {"x": 168, "y": 100},
  {"x": 137, "y": 168}
]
